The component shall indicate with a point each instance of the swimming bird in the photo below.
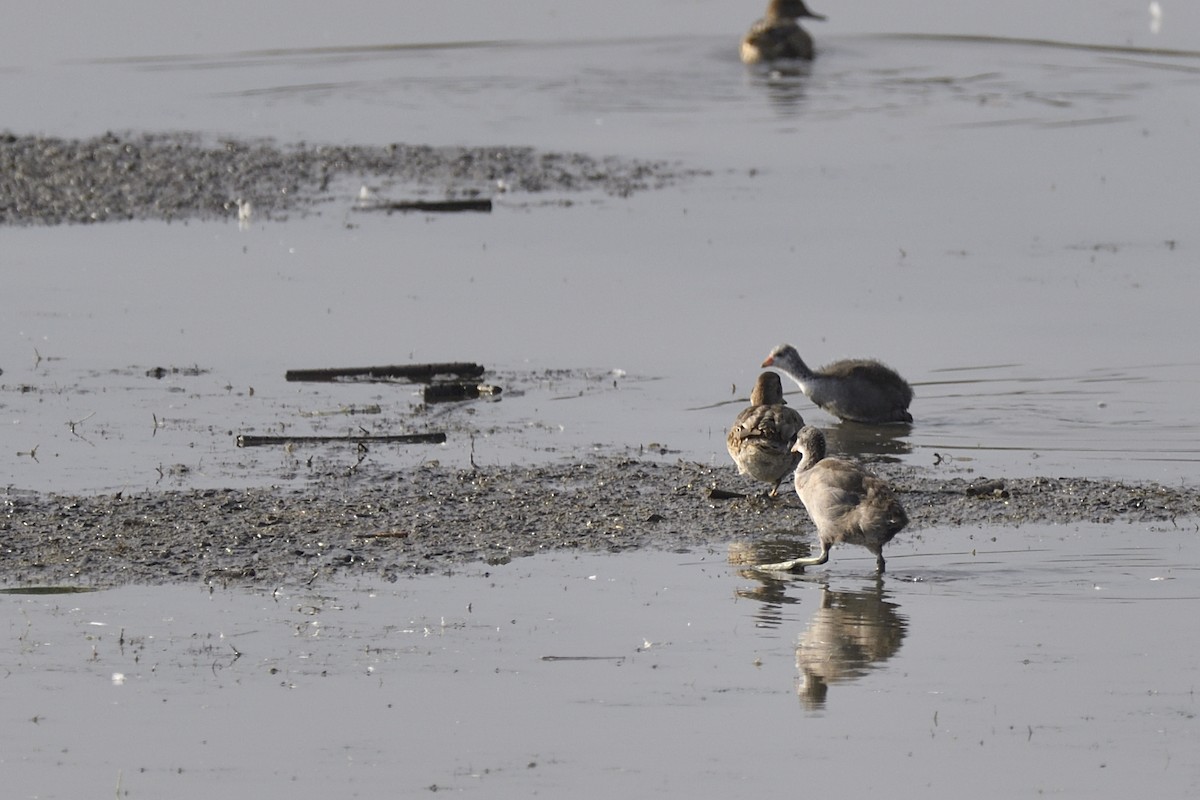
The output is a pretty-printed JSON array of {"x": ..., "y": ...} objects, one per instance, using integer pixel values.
[
  {"x": 778, "y": 35},
  {"x": 762, "y": 436},
  {"x": 847, "y": 504},
  {"x": 856, "y": 389}
]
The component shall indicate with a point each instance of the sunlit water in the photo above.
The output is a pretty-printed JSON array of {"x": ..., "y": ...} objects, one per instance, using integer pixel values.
[
  {"x": 1041, "y": 663},
  {"x": 1011, "y": 224},
  {"x": 1008, "y": 223}
]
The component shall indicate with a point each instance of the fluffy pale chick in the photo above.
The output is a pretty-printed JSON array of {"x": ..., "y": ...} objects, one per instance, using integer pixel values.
[{"x": 847, "y": 504}]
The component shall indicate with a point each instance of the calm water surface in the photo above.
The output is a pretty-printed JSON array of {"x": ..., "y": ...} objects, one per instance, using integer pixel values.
[
  {"x": 1009, "y": 223},
  {"x": 1038, "y": 664}
]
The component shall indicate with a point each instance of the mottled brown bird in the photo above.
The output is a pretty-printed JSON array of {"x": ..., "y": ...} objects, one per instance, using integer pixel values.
[
  {"x": 761, "y": 438},
  {"x": 778, "y": 35}
]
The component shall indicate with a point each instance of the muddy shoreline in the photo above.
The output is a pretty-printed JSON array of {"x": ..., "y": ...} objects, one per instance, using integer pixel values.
[
  {"x": 435, "y": 519},
  {"x": 181, "y": 176}
]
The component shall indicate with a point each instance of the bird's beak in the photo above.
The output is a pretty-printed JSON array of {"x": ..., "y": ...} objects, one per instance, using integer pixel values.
[{"x": 770, "y": 362}]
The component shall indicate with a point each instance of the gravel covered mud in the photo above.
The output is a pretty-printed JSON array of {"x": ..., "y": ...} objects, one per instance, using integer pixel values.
[
  {"x": 435, "y": 519},
  {"x": 178, "y": 176}
]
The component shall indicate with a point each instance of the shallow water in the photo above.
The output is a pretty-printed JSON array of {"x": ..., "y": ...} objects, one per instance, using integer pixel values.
[
  {"x": 1006, "y": 222},
  {"x": 1040, "y": 662},
  {"x": 1010, "y": 223}
]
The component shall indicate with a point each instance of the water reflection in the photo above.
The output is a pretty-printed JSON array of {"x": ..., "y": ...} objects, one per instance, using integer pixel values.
[
  {"x": 771, "y": 590},
  {"x": 784, "y": 84},
  {"x": 851, "y": 633},
  {"x": 877, "y": 442}
]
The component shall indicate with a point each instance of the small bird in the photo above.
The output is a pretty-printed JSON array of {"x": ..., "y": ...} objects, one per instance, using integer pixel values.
[
  {"x": 847, "y": 504},
  {"x": 778, "y": 35},
  {"x": 762, "y": 436},
  {"x": 859, "y": 390}
]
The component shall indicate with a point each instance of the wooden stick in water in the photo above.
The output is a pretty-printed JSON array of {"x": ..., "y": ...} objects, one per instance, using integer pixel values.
[
  {"x": 423, "y": 373},
  {"x": 248, "y": 440},
  {"x": 429, "y": 205}
]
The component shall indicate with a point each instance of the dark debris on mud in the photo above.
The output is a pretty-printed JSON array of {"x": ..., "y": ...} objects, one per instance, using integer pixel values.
[
  {"x": 180, "y": 176},
  {"x": 436, "y": 519}
]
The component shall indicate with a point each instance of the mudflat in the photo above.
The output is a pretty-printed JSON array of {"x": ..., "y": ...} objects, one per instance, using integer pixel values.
[
  {"x": 432, "y": 519},
  {"x": 180, "y": 176}
]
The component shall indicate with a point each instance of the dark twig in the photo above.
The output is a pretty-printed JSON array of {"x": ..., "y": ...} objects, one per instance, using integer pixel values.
[
  {"x": 423, "y": 373},
  {"x": 428, "y": 205},
  {"x": 248, "y": 440}
]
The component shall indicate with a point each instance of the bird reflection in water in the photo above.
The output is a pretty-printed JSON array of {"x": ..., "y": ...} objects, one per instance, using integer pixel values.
[
  {"x": 785, "y": 87},
  {"x": 770, "y": 589},
  {"x": 873, "y": 443},
  {"x": 852, "y": 633}
]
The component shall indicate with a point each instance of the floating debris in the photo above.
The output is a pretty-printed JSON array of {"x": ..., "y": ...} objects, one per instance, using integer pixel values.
[
  {"x": 450, "y": 392},
  {"x": 484, "y": 205},
  {"x": 418, "y": 373},
  {"x": 248, "y": 440}
]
